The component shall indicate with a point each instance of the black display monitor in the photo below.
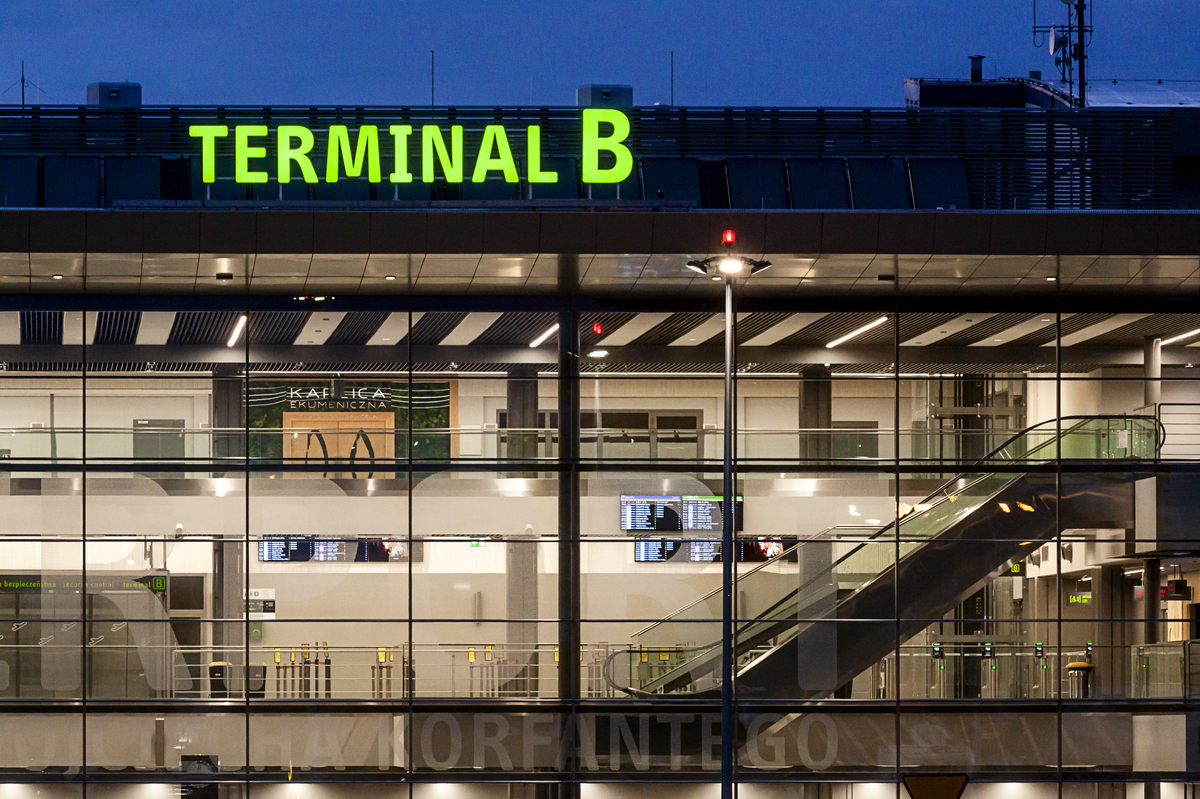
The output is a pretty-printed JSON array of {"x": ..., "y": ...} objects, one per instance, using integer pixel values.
[
  {"x": 705, "y": 513},
  {"x": 749, "y": 550},
  {"x": 651, "y": 514},
  {"x": 656, "y": 550},
  {"x": 302, "y": 549},
  {"x": 658, "y": 514}
]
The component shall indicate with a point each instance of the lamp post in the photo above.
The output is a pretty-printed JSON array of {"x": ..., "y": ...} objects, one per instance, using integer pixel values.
[{"x": 728, "y": 266}]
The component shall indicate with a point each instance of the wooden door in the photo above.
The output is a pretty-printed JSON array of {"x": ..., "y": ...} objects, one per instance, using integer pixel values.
[{"x": 353, "y": 444}]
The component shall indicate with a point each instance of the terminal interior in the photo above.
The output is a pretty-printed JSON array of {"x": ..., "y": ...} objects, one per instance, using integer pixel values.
[{"x": 933, "y": 504}]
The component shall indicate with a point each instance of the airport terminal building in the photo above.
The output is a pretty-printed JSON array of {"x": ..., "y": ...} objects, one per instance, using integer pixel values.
[{"x": 598, "y": 451}]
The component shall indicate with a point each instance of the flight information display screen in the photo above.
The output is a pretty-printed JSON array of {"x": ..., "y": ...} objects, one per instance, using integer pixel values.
[
  {"x": 706, "y": 513},
  {"x": 304, "y": 549},
  {"x": 655, "y": 514},
  {"x": 749, "y": 550},
  {"x": 651, "y": 514},
  {"x": 656, "y": 550}
]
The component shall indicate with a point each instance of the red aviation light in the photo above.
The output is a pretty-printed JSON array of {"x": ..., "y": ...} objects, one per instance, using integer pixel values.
[
  {"x": 598, "y": 328},
  {"x": 728, "y": 238}
]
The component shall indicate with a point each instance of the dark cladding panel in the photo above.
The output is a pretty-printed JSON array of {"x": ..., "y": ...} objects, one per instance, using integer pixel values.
[
  {"x": 675, "y": 179},
  {"x": 71, "y": 182},
  {"x": 818, "y": 183},
  {"x": 627, "y": 189},
  {"x": 879, "y": 184},
  {"x": 940, "y": 183},
  {"x": 494, "y": 187},
  {"x": 128, "y": 177},
  {"x": 18, "y": 181},
  {"x": 756, "y": 183},
  {"x": 567, "y": 187}
]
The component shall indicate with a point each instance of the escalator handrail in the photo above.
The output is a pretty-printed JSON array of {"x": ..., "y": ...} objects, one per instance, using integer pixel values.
[{"x": 933, "y": 500}]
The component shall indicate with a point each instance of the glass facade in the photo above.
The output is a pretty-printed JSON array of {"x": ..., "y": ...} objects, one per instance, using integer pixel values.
[{"x": 425, "y": 544}]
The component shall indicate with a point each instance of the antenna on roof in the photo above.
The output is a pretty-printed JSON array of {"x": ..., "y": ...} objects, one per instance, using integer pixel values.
[
  {"x": 1068, "y": 44},
  {"x": 24, "y": 82}
]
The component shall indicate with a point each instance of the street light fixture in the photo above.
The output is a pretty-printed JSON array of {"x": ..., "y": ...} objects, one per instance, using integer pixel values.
[{"x": 728, "y": 266}]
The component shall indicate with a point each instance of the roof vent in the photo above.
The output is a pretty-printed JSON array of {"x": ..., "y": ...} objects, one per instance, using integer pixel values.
[
  {"x": 594, "y": 95},
  {"x": 976, "y": 69},
  {"x": 111, "y": 94}
]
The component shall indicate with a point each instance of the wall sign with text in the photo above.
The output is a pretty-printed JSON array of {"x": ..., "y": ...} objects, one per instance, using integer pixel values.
[{"x": 442, "y": 154}]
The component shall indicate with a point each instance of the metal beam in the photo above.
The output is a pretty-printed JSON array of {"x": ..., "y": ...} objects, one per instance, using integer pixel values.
[{"x": 912, "y": 359}]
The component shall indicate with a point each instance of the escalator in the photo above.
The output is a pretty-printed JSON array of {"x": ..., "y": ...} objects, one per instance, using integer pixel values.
[{"x": 832, "y": 604}]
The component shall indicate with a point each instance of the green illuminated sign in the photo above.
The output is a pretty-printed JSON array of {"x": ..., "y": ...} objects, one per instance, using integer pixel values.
[{"x": 348, "y": 153}]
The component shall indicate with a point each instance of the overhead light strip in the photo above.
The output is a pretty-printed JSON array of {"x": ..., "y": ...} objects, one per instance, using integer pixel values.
[
  {"x": 856, "y": 333},
  {"x": 237, "y": 330},
  {"x": 540, "y": 340},
  {"x": 1181, "y": 337}
]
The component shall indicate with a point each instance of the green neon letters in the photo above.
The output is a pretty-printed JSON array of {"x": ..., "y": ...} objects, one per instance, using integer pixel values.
[
  {"x": 349, "y": 153},
  {"x": 208, "y": 148},
  {"x": 368, "y": 148},
  {"x": 243, "y": 152},
  {"x": 287, "y": 154},
  {"x": 494, "y": 137},
  {"x": 594, "y": 143}
]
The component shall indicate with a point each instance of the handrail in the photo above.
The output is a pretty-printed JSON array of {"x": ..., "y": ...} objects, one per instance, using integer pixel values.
[
  {"x": 749, "y": 572},
  {"x": 933, "y": 500}
]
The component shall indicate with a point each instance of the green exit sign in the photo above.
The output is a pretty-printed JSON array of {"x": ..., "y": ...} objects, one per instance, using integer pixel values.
[{"x": 478, "y": 542}]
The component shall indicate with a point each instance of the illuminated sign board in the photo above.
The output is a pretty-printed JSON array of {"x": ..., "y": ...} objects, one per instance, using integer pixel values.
[{"x": 350, "y": 153}]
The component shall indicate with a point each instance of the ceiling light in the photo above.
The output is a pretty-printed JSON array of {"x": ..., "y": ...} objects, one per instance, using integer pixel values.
[
  {"x": 1181, "y": 337},
  {"x": 224, "y": 275},
  {"x": 854, "y": 333},
  {"x": 537, "y": 342},
  {"x": 237, "y": 330},
  {"x": 716, "y": 277},
  {"x": 997, "y": 339},
  {"x": 1051, "y": 279},
  {"x": 389, "y": 277},
  {"x": 598, "y": 353},
  {"x": 730, "y": 266},
  {"x": 696, "y": 267}
]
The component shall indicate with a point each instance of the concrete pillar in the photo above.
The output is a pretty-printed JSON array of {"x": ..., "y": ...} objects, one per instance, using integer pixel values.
[
  {"x": 229, "y": 557},
  {"x": 816, "y": 414},
  {"x": 520, "y": 605},
  {"x": 1152, "y": 587},
  {"x": 1152, "y": 362},
  {"x": 522, "y": 412},
  {"x": 228, "y": 416}
]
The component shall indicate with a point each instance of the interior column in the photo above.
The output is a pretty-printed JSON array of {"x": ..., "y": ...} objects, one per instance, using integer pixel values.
[
  {"x": 816, "y": 414},
  {"x": 1152, "y": 362},
  {"x": 229, "y": 557},
  {"x": 521, "y": 551}
]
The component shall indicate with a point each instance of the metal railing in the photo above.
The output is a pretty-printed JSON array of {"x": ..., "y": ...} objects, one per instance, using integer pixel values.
[{"x": 343, "y": 453}]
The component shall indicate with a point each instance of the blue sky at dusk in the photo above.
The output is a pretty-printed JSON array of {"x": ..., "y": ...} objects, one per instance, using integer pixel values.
[{"x": 749, "y": 52}]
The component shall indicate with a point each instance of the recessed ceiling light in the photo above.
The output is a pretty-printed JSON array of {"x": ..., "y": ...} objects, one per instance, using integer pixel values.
[
  {"x": 387, "y": 339},
  {"x": 389, "y": 277},
  {"x": 997, "y": 339},
  {"x": 58, "y": 277},
  {"x": 1051, "y": 279},
  {"x": 716, "y": 277},
  {"x": 597, "y": 353},
  {"x": 1045, "y": 320}
]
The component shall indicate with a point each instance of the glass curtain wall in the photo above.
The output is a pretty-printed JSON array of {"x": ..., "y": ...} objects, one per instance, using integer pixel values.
[{"x": 435, "y": 542}]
